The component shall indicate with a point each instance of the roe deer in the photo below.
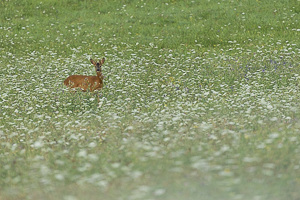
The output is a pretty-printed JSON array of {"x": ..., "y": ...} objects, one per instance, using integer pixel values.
[{"x": 83, "y": 82}]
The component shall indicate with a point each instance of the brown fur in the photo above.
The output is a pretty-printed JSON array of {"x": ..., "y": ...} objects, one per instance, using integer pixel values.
[{"x": 85, "y": 82}]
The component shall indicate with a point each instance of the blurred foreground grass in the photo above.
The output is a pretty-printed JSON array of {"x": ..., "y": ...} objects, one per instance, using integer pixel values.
[{"x": 200, "y": 100}]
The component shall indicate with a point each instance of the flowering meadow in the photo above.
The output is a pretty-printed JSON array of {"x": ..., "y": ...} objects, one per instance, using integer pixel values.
[{"x": 200, "y": 100}]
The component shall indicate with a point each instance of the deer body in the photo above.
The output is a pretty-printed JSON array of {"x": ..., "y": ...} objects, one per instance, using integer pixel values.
[{"x": 85, "y": 82}]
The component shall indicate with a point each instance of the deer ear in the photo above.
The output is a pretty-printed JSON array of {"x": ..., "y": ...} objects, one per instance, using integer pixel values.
[
  {"x": 93, "y": 62},
  {"x": 102, "y": 61}
]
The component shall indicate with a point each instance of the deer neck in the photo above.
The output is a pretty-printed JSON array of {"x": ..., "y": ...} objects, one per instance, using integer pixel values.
[{"x": 99, "y": 76}]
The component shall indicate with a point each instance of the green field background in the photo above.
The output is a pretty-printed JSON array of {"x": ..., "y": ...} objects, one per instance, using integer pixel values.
[{"x": 200, "y": 100}]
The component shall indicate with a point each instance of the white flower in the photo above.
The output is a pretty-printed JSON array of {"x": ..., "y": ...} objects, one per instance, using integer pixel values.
[
  {"x": 82, "y": 153},
  {"x": 38, "y": 144},
  {"x": 159, "y": 192}
]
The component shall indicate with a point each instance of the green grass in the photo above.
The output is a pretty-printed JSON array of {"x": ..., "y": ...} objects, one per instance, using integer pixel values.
[{"x": 200, "y": 100}]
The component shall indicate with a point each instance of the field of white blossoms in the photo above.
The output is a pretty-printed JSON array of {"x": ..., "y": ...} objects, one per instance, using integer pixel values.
[{"x": 191, "y": 122}]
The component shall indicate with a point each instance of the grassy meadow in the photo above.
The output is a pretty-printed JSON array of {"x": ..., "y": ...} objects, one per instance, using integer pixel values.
[{"x": 200, "y": 100}]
